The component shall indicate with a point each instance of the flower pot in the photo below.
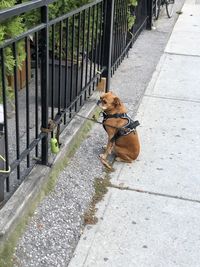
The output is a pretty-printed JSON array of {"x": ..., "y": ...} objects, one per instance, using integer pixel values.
[
  {"x": 54, "y": 90},
  {"x": 21, "y": 73}
]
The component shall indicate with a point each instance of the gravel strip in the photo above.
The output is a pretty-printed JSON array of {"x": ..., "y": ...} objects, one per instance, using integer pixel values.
[
  {"x": 58, "y": 221},
  {"x": 54, "y": 231}
]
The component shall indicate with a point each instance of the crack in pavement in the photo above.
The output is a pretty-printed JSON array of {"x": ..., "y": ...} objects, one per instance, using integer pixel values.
[
  {"x": 153, "y": 193},
  {"x": 181, "y": 54},
  {"x": 172, "y": 98}
]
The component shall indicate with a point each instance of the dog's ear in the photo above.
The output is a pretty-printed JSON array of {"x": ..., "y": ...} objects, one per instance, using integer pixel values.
[{"x": 116, "y": 102}]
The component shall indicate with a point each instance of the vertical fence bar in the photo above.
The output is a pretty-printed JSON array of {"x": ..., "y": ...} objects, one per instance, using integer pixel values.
[
  {"x": 100, "y": 36},
  {"x": 109, "y": 13},
  {"x": 53, "y": 72},
  {"x": 117, "y": 43},
  {"x": 120, "y": 30},
  {"x": 44, "y": 80},
  {"x": 36, "y": 91},
  {"x": 123, "y": 28},
  {"x": 95, "y": 45},
  {"x": 66, "y": 65},
  {"x": 16, "y": 108},
  {"x": 118, "y": 12},
  {"x": 5, "y": 115},
  {"x": 92, "y": 46},
  {"x": 72, "y": 64},
  {"x": 60, "y": 67},
  {"x": 124, "y": 22},
  {"x": 87, "y": 51},
  {"x": 83, "y": 52},
  {"x": 149, "y": 14},
  {"x": 27, "y": 102},
  {"x": 117, "y": 35},
  {"x": 77, "y": 60}
]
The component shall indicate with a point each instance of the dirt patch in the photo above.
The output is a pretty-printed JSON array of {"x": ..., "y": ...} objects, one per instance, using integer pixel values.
[{"x": 101, "y": 188}]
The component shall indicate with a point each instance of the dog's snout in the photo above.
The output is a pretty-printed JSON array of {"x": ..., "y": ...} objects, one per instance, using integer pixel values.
[{"x": 99, "y": 102}]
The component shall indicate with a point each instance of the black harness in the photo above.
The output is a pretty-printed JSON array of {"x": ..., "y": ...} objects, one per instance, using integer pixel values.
[{"x": 126, "y": 129}]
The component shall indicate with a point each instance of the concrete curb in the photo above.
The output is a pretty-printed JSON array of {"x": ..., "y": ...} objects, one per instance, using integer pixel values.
[{"x": 29, "y": 191}]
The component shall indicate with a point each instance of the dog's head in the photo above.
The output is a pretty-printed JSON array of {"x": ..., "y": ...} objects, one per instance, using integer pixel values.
[{"x": 110, "y": 103}]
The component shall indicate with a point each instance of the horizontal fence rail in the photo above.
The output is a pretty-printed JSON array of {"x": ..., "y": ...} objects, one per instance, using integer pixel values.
[{"x": 56, "y": 64}]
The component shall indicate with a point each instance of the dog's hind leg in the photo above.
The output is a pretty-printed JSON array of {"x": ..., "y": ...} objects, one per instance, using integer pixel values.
[{"x": 126, "y": 159}]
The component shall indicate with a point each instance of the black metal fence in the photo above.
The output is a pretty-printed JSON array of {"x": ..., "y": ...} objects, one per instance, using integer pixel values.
[
  {"x": 65, "y": 58},
  {"x": 124, "y": 35}
]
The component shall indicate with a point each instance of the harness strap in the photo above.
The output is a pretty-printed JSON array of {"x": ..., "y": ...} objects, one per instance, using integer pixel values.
[
  {"x": 117, "y": 115},
  {"x": 127, "y": 129}
]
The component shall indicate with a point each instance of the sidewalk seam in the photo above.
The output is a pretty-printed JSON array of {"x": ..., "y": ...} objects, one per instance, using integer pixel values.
[
  {"x": 179, "y": 54},
  {"x": 172, "y": 98},
  {"x": 153, "y": 193}
]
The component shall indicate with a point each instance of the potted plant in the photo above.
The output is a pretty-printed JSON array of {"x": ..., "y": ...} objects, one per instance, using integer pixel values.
[
  {"x": 124, "y": 20},
  {"x": 57, "y": 9},
  {"x": 9, "y": 29},
  {"x": 131, "y": 13}
]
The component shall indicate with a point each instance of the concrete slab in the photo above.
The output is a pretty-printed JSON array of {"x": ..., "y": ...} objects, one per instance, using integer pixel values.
[
  {"x": 185, "y": 38},
  {"x": 190, "y": 2},
  {"x": 141, "y": 230},
  {"x": 188, "y": 22},
  {"x": 169, "y": 161},
  {"x": 191, "y": 7},
  {"x": 185, "y": 43},
  {"x": 178, "y": 78}
]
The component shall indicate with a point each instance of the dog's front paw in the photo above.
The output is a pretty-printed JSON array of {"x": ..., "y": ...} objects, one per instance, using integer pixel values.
[
  {"x": 102, "y": 156},
  {"x": 105, "y": 163},
  {"x": 104, "y": 147},
  {"x": 106, "y": 151}
]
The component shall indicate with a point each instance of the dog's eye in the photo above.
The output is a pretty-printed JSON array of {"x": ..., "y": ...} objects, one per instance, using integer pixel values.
[{"x": 104, "y": 102}]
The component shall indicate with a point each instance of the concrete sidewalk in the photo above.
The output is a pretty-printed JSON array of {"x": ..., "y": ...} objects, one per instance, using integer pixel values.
[{"x": 150, "y": 217}]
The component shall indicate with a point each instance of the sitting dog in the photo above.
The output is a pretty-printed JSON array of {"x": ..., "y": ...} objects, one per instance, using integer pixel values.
[{"x": 121, "y": 129}]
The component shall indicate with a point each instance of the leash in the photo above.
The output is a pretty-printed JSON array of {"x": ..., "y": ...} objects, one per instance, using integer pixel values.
[
  {"x": 94, "y": 119},
  {"x": 52, "y": 124}
]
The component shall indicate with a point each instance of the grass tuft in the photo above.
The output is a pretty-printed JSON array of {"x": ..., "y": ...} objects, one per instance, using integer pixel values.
[{"x": 101, "y": 188}]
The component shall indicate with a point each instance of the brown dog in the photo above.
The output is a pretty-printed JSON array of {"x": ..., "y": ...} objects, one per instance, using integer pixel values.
[{"x": 122, "y": 136}]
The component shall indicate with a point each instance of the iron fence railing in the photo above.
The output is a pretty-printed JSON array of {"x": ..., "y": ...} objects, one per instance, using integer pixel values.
[
  {"x": 65, "y": 58},
  {"x": 123, "y": 36}
]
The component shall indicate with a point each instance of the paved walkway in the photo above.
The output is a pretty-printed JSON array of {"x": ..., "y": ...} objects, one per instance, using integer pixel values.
[
  {"x": 154, "y": 220},
  {"x": 55, "y": 228}
]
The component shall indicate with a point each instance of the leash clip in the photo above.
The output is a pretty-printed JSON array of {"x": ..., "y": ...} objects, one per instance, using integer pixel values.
[{"x": 4, "y": 171}]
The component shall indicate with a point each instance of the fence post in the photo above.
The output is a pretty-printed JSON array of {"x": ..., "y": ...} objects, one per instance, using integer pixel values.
[
  {"x": 44, "y": 81},
  {"x": 2, "y": 152},
  {"x": 149, "y": 14},
  {"x": 108, "y": 36}
]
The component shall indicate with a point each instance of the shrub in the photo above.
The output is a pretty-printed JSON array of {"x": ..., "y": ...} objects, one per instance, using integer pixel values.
[
  {"x": 9, "y": 29},
  {"x": 131, "y": 18}
]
